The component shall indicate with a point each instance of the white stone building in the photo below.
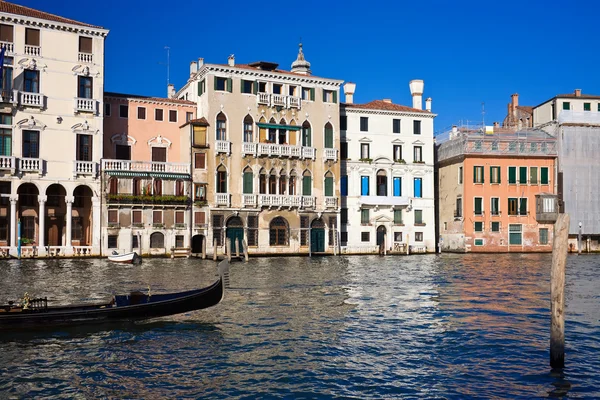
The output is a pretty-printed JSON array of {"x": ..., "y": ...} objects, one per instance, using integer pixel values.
[
  {"x": 387, "y": 180},
  {"x": 50, "y": 133}
]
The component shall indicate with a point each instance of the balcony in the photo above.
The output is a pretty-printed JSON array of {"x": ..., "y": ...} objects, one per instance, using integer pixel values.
[
  {"x": 249, "y": 148},
  {"x": 294, "y": 102},
  {"x": 223, "y": 199},
  {"x": 87, "y": 58},
  {"x": 390, "y": 201},
  {"x": 85, "y": 168},
  {"x": 9, "y": 96},
  {"x": 32, "y": 99},
  {"x": 145, "y": 166},
  {"x": 263, "y": 98},
  {"x": 223, "y": 146},
  {"x": 32, "y": 51},
  {"x": 279, "y": 200},
  {"x": 7, "y": 163},
  {"x": 248, "y": 200},
  {"x": 331, "y": 202},
  {"x": 330, "y": 154},
  {"x": 308, "y": 201},
  {"x": 31, "y": 165},
  {"x": 278, "y": 100},
  {"x": 308, "y": 152},
  {"x": 86, "y": 105},
  {"x": 9, "y": 46}
]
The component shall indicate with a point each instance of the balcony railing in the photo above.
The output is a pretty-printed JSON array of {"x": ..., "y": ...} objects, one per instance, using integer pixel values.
[
  {"x": 284, "y": 200},
  {"x": 33, "y": 51},
  {"x": 85, "y": 168},
  {"x": 308, "y": 152},
  {"x": 223, "y": 199},
  {"x": 9, "y": 96},
  {"x": 87, "y": 58},
  {"x": 32, "y": 99},
  {"x": 331, "y": 202},
  {"x": 249, "y": 200},
  {"x": 263, "y": 98},
  {"x": 30, "y": 164},
  {"x": 278, "y": 100},
  {"x": 330, "y": 154},
  {"x": 294, "y": 102},
  {"x": 277, "y": 150},
  {"x": 9, "y": 46},
  {"x": 145, "y": 166},
  {"x": 223, "y": 146},
  {"x": 249, "y": 148},
  {"x": 86, "y": 105},
  {"x": 7, "y": 163},
  {"x": 308, "y": 201}
]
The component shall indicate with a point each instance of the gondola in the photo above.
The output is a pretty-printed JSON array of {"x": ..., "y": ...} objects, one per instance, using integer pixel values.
[{"x": 137, "y": 305}]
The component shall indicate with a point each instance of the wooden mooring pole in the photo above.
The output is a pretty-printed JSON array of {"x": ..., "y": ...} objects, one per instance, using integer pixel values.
[
  {"x": 215, "y": 249},
  {"x": 228, "y": 248},
  {"x": 237, "y": 247},
  {"x": 557, "y": 291}
]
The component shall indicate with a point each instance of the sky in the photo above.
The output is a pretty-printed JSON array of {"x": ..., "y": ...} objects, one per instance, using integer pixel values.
[{"x": 472, "y": 55}]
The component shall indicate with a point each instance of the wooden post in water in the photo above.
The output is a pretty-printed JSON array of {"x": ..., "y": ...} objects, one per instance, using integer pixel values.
[
  {"x": 407, "y": 245},
  {"x": 215, "y": 249},
  {"x": 228, "y": 248},
  {"x": 245, "y": 250},
  {"x": 204, "y": 248},
  {"x": 557, "y": 291},
  {"x": 237, "y": 247}
]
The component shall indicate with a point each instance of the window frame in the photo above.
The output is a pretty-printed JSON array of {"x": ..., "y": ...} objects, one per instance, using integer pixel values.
[
  {"x": 396, "y": 125},
  {"x": 364, "y": 124},
  {"x": 124, "y": 107},
  {"x": 159, "y": 114},
  {"x": 141, "y": 110}
]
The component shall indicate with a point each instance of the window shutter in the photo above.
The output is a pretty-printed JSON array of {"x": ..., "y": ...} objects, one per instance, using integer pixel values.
[
  {"x": 216, "y": 80},
  {"x": 512, "y": 174},
  {"x": 523, "y": 206},
  {"x": 335, "y": 96},
  {"x": 418, "y": 187},
  {"x": 397, "y": 187},
  {"x": 308, "y": 137},
  {"x": 544, "y": 175},
  {"x": 328, "y": 186},
  {"x": 344, "y": 185},
  {"x": 248, "y": 180},
  {"x": 474, "y": 174},
  {"x": 328, "y": 138},
  {"x": 523, "y": 175},
  {"x": 229, "y": 85},
  {"x": 324, "y": 95},
  {"x": 200, "y": 88},
  {"x": 312, "y": 94},
  {"x": 306, "y": 186},
  {"x": 477, "y": 205},
  {"x": 255, "y": 87},
  {"x": 364, "y": 186}
]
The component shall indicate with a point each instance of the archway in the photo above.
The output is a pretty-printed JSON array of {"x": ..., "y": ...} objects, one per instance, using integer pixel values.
[
  {"x": 56, "y": 210},
  {"x": 197, "y": 241},
  {"x": 235, "y": 231},
  {"x": 81, "y": 222},
  {"x": 157, "y": 240},
  {"x": 317, "y": 236},
  {"x": 381, "y": 231},
  {"x": 28, "y": 207}
]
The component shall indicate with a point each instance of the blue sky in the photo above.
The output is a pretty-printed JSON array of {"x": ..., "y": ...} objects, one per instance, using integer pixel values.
[{"x": 467, "y": 52}]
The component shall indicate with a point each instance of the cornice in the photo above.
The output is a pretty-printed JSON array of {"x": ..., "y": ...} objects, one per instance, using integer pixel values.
[
  {"x": 388, "y": 112},
  {"x": 43, "y": 23}
]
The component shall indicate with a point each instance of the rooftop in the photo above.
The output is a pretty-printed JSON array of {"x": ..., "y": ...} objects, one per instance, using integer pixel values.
[
  {"x": 384, "y": 105},
  {"x": 149, "y": 98},
  {"x": 17, "y": 9}
]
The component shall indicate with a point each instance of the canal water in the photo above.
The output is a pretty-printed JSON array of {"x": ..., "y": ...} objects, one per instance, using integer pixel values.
[{"x": 414, "y": 327}]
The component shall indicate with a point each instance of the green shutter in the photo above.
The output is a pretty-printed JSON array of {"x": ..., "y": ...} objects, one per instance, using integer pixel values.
[
  {"x": 242, "y": 83},
  {"x": 248, "y": 180},
  {"x": 512, "y": 174},
  {"x": 523, "y": 206},
  {"x": 312, "y": 94},
  {"x": 255, "y": 87},
  {"x": 544, "y": 175},
  {"x": 229, "y": 85},
  {"x": 329, "y": 186},
  {"x": 478, "y": 201},
  {"x": 328, "y": 138},
  {"x": 216, "y": 80},
  {"x": 324, "y": 95},
  {"x": 200, "y": 88},
  {"x": 523, "y": 175},
  {"x": 306, "y": 185},
  {"x": 474, "y": 174},
  {"x": 308, "y": 137},
  {"x": 335, "y": 96}
]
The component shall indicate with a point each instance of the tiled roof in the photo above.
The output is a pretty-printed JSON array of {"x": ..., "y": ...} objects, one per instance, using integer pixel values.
[
  {"x": 279, "y": 71},
  {"x": 582, "y": 96},
  {"x": 198, "y": 121},
  {"x": 17, "y": 9},
  {"x": 148, "y": 98},
  {"x": 527, "y": 109},
  {"x": 384, "y": 105}
]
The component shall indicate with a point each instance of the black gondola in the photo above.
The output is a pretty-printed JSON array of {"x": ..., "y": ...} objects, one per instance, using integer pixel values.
[{"x": 135, "y": 306}]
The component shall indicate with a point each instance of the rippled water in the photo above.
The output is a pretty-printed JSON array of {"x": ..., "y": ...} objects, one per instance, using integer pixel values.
[{"x": 439, "y": 327}]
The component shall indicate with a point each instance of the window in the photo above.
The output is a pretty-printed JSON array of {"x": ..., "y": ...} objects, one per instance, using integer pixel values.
[
  {"x": 84, "y": 148},
  {"x": 495, "y": 206},
  {"x": 135, "y": 244},
  {"x": 6, "y": 33},
  {"x": 221, "y": 180},
  {"x": 278, "y": 232},
  {"x": 122, "y": 152},
  {"x": 460, "y": 175},
  {"x": 418, "y": 186},
  {"x": 534, "y": 148},
  {"x": 328, "y": 136},
  {"x": 566, "y": 105},
  {"x": 478, "y": 226},
  {"x": 332, "y": 230},
  {"x": 113, "y": 217},
  {"x": 397, "y": 153},
  {"x": 397, "y": 186},
  {"x": 365, "y": 236},
  {"x": 396, "y": 125},
  {"x": 141, "y": 111},
  {"x": 343, "y": 122},
  {"x": 512, "y": 205},
  {"x": 247, "y": 86},
  {"x": 364, "y": 151},
  {"x": 418, "y": 236},
  {"x": 199, "y": 136},
  {"x": 179, "y": 218},
  {"x": 533, "y": 175},
  {"x": 478, "y": 174},
  {"x": 495, "y": 174},
  {"x": 85, "y": 44},
  {"x": 252, "y": 230},
  {"x": 178, "y": 240},
  {"x": 293, "y": 90},
  {"x": 113, "y": 185},
  {"x": 364, "y": 216},
  {"x": 4, "y": 229},
  {"x": 523, "y": 206},
  {"x": 495, "y": 146},
  {"x": 418, "y": 154},
  {"x": 123, "y": 110},
  {"x": 381, "y": 183},
  {"x": 31, "y": 81},
  {"x": 478, "y": 205},
  {"x": 248, "y": 181},
  {"x": 458, "y": 212},
  {"x": 223, "y": 84},
  {"x": 199, "y": 160},
  {"x": 6, "y": 135},
  {"x": 31, "y": 144},
  {"x": 397, "y": 236},
  {"x": 523, "y": 175},
  {"x": 419, "y": 217},
  {"x": 158, "y": 114},
  {"x": 495, "y": 226},
  {"x": 587, "y": 106},
  {"x": 544, "y": 176},
  {"x": 512, "y": 175},
  {"x": 157, "y": 217},
  {"x": 364, "y": 124},
  {"x": 136, "y": 217},
  {"x": 179, "y": 187},
  {"x": 221, "y": 127},
  {"x": 157, "y": 240},
  {"x": 201, "y": 87},
  {"x": 107, "y": 109},
  {"x": 199, "y": 218},
  {"x": 157, "y": 187},
  {"x": 248, "y": 129},
  {"x": 344, "y": 150},
  {"x": 306, "y": 184},
  {"x": 417, "y": 127},
  {"x": 217, "y": 223},
  {"x": 172, "y": 115},
  {"x": 112, "y": 241},
  {"x": 308, "y": 94},
  {"x": 277, "y": 88},
  {"x": 344, "y": 215},
  {"x": 479, "y": 242},
  {"x": 543, "y": 235},
  {"x": 329, "y": 96},
  {"x": 398, "y": 217},
  {"x": 364, "y": 185},
  {"x": 159, "y": 154},
  {"x": 85, "y": 87},
  {"x": 189, "y": 116},
  {"x": 514, "y": 234},
  {"x": 329, "y": 184}
]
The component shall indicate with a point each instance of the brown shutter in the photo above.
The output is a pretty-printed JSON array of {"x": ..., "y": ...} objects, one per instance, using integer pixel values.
[
  {"x": 179, "y": 215},
  {"x": 156, "y": 217},
  {"x": 199, "y": 217}
]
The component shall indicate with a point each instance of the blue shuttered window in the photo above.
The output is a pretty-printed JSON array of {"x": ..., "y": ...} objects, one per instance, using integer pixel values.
[
  {"x": 364, "y": 185},
  {"x": 397, "y": 186},
  {"x": 418, "y": 187},
  {"x": 344, "y": 185}
]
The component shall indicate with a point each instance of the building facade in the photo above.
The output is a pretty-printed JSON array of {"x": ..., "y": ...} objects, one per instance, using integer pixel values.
[
  {"x": 50, "y": 133},
  {"x": 146, "y": 179},
  {"x": 488, "y": 189},
  {"x": 387, "y": 178},
  {"x": 265, "y": 156}
]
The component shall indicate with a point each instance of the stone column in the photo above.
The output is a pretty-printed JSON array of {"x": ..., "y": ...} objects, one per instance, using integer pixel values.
[
  {"x": 69, "y": 216},
  {"x": 13, "y": 221},
  {"x": 96, "y": 226},
  {"x": 41, "y": 242}
]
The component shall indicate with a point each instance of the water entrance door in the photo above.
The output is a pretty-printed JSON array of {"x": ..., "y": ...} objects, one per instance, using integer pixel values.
[{"x": 317, "y": 240}]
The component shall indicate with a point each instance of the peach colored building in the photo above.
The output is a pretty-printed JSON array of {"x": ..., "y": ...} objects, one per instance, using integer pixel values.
[
  {"x": 487, "y": 190},
  {"x": 146, "y": 182}
]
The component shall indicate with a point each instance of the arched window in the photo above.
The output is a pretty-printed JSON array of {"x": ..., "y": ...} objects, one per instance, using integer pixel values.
[
  {"x": 157, "y": 187},
  {"x": 329, "y": 184},
  {"x": 221, "y": 179},
  {"x": 179, "y": 188},
  {"x": 113, "y": 186},
  {"x": 278, "y": 232},
  {"x": 272, "y": 132},
  {"x": 328, "y": 136},
  {"x": 248, "y": 181},
  {"x": 157, "y": 240},
  {"x": 282, "y": 134},
  {"x": 221, "y": 127},
  {"x": 306, "y": 134},
  {"x": 292, "y": 184},
  {"x": 137, "y": 187},
  {"x": 282, "y": 184},
  {"x": 381, "y": 183},
  {"x": 248, "y": 129},
  {"x": 306, "y": 184},
  {"x": 262, "y": 182},
  {"x": 272, "y": 182}
]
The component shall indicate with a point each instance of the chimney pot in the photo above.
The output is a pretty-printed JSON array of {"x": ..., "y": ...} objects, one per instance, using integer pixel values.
[
  {"x": 231, "y": 60},
  {"x": 428, "y": 104},
  {"x": 496, "y": 125},
  {"x": 515, "y": 100},
  {"x": 416, "y": 90},
  {"x": 349, "y": 88},
  {"x": 577, "y": 92},
  {"x": 200, "y": 62},
  {"x": 193, "y": 68},
  {"x": 171, "y": 91},
  {"x": 387, "y": 101}
]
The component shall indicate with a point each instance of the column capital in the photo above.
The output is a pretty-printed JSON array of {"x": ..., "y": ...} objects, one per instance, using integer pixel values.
[
  {"x": 42, "y": 199},
  {"x": 69, "y": 199},
  {"x": 14, "y": 199}
]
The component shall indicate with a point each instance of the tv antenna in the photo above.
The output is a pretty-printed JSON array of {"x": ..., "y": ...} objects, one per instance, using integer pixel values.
[
  {"x": 483, "y": 113},
  {"x": 168, "y": 63}
]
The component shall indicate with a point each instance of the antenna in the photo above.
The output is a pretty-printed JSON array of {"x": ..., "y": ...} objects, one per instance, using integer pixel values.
[
  {"x": 483, "y": 114},
  {"x": 168, "y": 63}
]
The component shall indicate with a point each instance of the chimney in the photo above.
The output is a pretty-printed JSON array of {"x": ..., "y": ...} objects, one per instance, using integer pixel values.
[
  {"x": 428, "y": 104},
  {"x": 200, "y": 62},
  {"x": 171, "y": 91},
  {"x": 349, "y": 88},
  {"x": 416, "y": 90},
  {"x": 387, "y": 101},
  {"x": 496, "y": 125},
  {"x": 231, "y": 61},
  {"x": 193, "y": 68},
  {"x": 577, "y": 92},
  {"x": 515, "y": 100},
  {"x": 454, "y": 132}
]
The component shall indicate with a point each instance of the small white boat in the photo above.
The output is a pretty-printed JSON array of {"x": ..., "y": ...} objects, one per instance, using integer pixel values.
[{"x": 127, "y": 258}]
